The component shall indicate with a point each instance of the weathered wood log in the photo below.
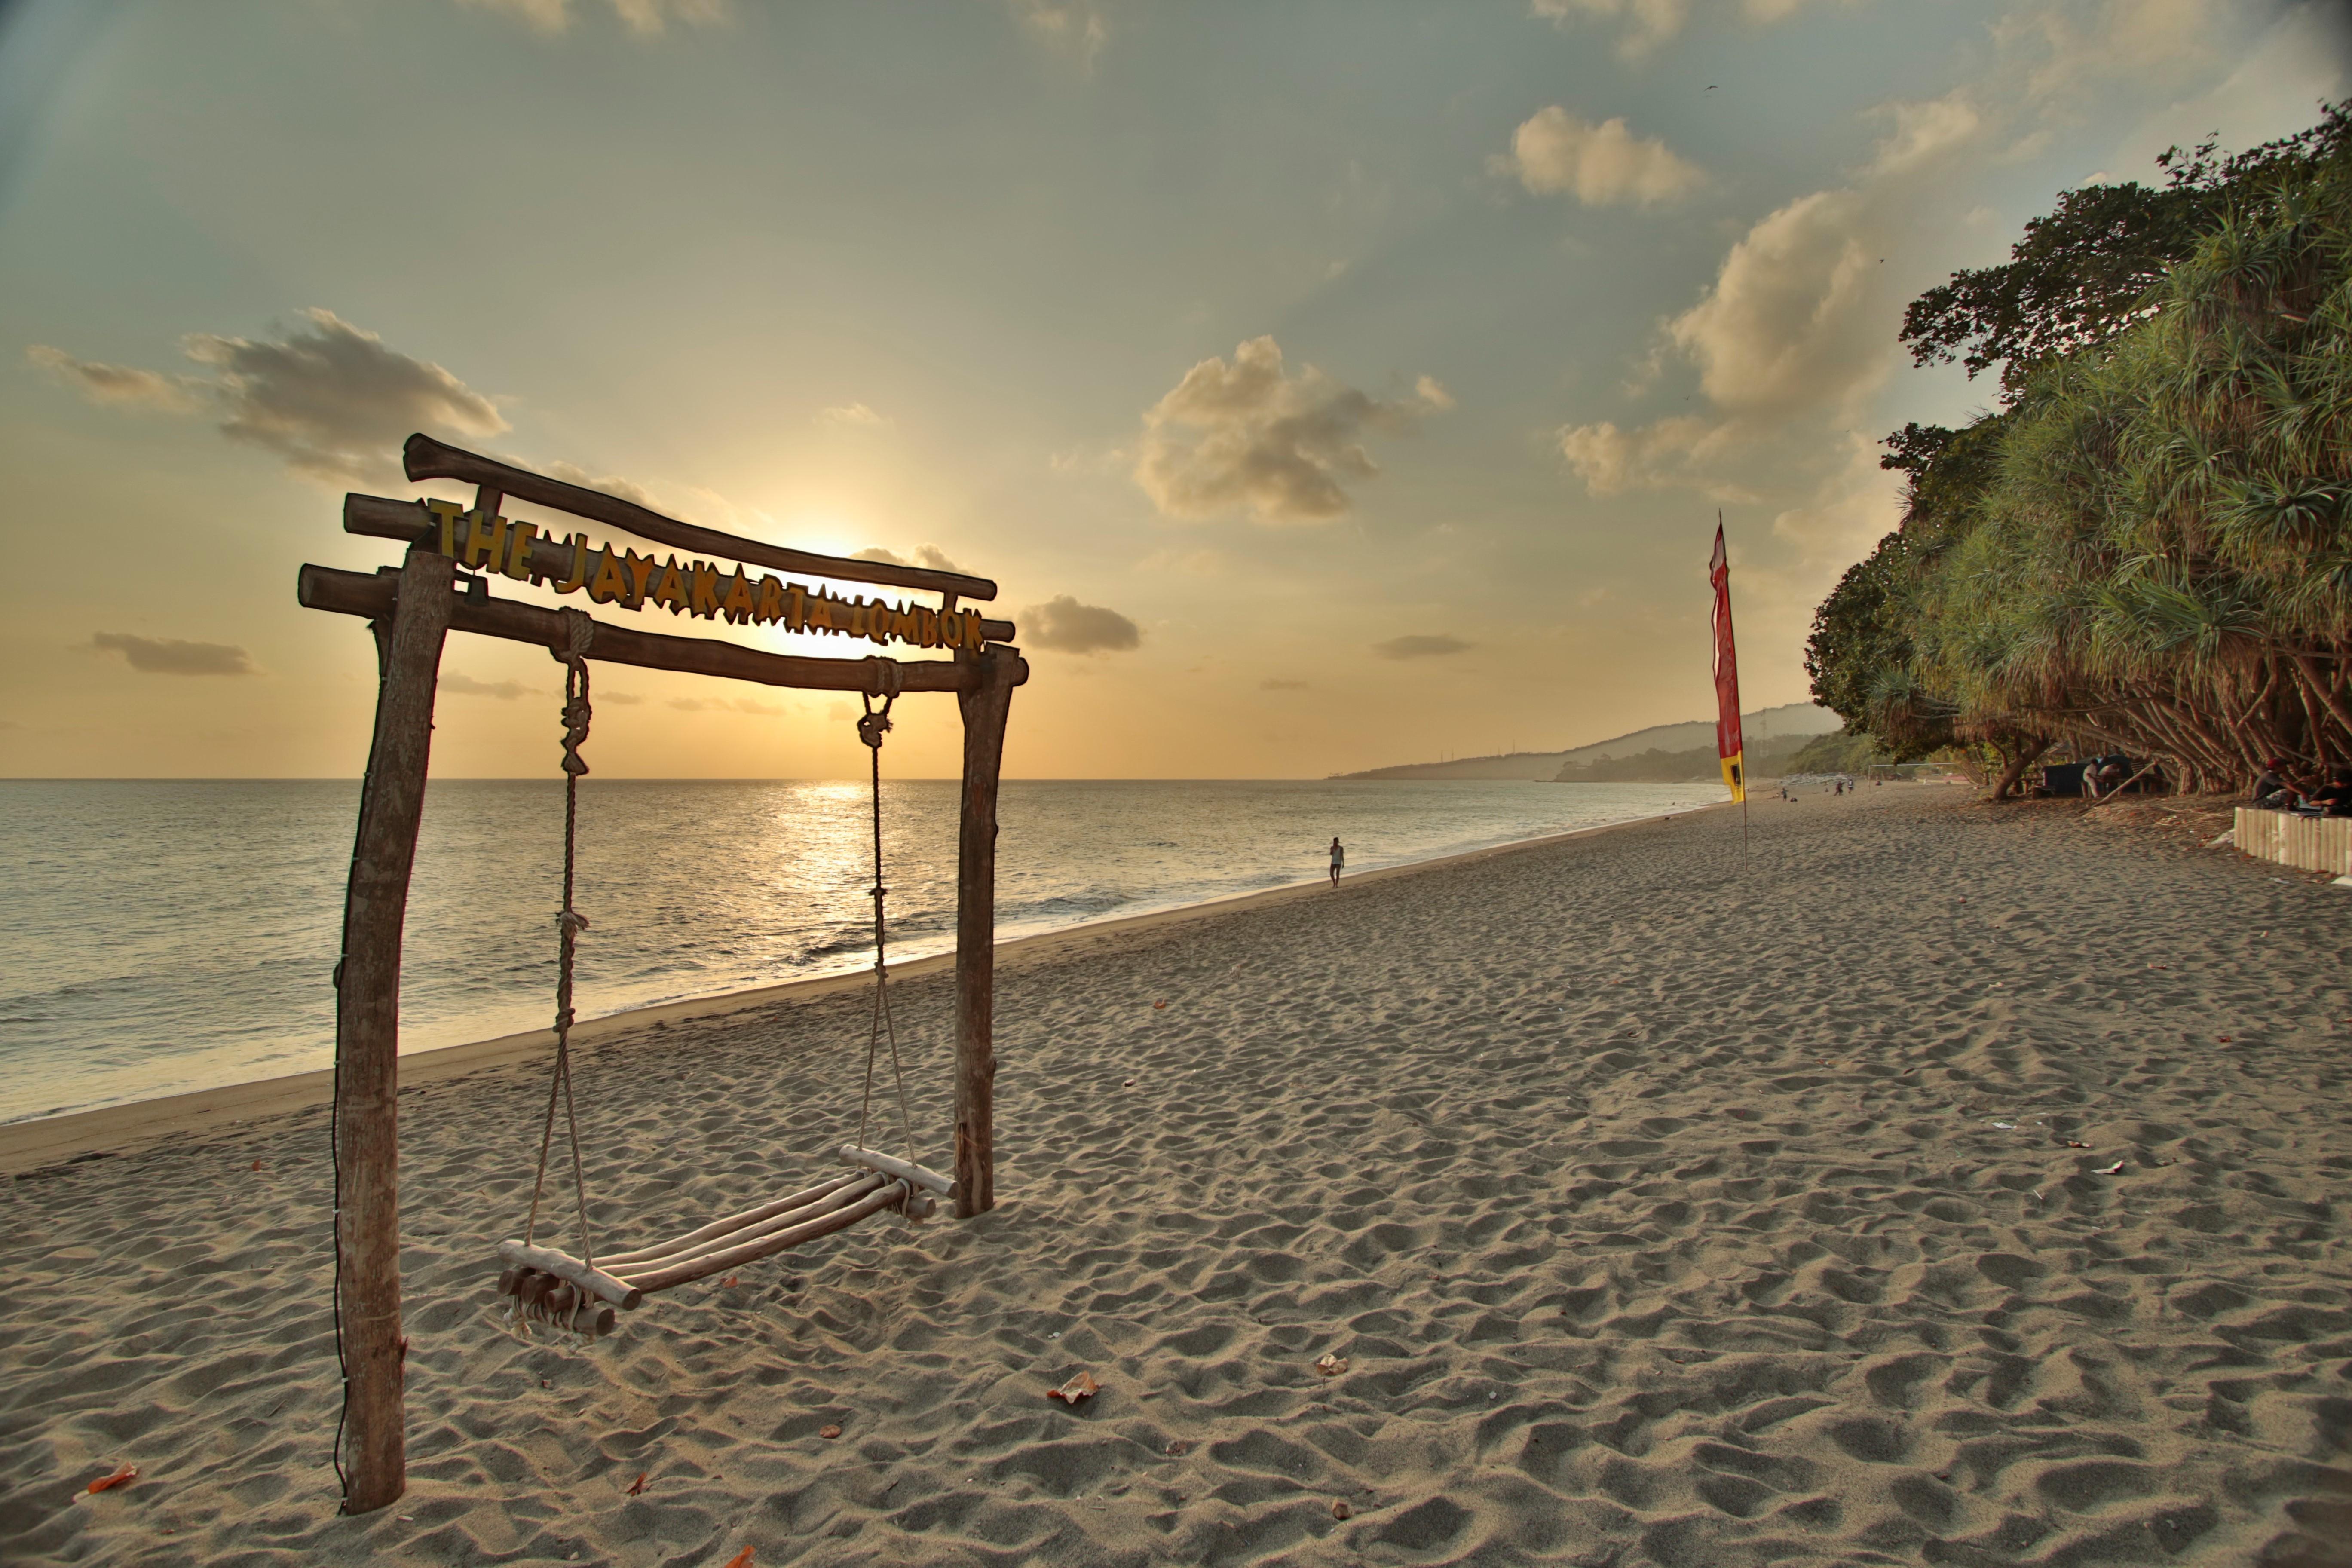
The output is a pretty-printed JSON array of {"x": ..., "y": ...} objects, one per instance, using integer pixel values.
[
  {"x": 733, "y": 1223},
  {"x": 593, "y": 1321},
  {"x": 986, "y": 705},
  {"x": 367, "y": 1032},
  {"x": 858, "y": 1190},
  {"x": 904, "y": 1170},
  {"x": 839, "y": 1196},
  {"x": 381, "y": 517},
  {"x": 565, "y": 1267},
  {"x": 825, "y": 1224},
  {"x": 426, "y": 459},
  {"x": 369, "y": 595}
]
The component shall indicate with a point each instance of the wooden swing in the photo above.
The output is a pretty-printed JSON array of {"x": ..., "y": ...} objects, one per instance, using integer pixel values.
[
  {"x": 411, "y": 610},
  {"x": 554, "y": 1286}
]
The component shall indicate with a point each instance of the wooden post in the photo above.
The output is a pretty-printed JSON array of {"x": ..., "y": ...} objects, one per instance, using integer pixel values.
[
  {"x": 985, "y": 705},
  {"x": 367, "y": 1037}
]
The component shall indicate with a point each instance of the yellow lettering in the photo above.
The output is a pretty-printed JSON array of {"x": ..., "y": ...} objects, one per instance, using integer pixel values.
[
  {"x": 577, "y": 577},
  {"x": 486, "y": 540},
  {"x": 927, "y": 627},
  {"x": 972, "y": 636},
  {"x": 612, "y": 580},
  {"x": 670, "y": 592},
  {"x": 641, "y": 570},
  {"x": 951, "y": 629},
  {"x": 448, "y": 512},
  {"x": 518, "y": 538},
  {"x": 796, "y": 607},
  {"x": 705, "y": 593},
  {"x": 742, "y": 603},
  {"x": 770, "y": 608},
  {"x": 820, "y": 613}
]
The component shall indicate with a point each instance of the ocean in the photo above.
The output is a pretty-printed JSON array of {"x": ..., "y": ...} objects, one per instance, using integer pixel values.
[{"x": 165, "y": 936}]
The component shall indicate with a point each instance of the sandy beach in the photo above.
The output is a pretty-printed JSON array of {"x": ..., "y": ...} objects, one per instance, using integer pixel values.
[{"x": 1661, "y": 1214}]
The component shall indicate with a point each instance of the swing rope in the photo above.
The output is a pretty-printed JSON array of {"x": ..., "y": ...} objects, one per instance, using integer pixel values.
[
  {"x": 580, "y": 630},
  {"x": 886, "y": 678}
]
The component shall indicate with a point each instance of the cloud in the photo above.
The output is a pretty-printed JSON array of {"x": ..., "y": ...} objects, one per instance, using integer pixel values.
[
  {"x": 331, "y": 400},
  {"x": 1792, "y": 322},
  {"x": 645, "y": 17},
  {"x": 926, "y": 555},
  {"x": 117, "y": 385},
  {"x": 170, "y": 655},
  {"x": 620, "y": 698},
  {"x": 850, "y": 414},
  {"x": 467, "y": 686},
  {"x": 610, "y": 484},
  {"x": 1432, "y": 391},
  {"x": 1647, "y": 24},
  {"x": 1926, "y": 131},
  {"x": 1553, "y": 153},
  {"x": 1658, "y": 456},
  {"x": 1250, "y": 435},
  {"x": 1273, "y": 683},
  {"x": 328, "y": 397},
  {"x": 1063, "y": 625},
  {"x": 728, "y": 705},
  {"x": 1073, "y": 27},
  {"x": 1422, "y": 645}
]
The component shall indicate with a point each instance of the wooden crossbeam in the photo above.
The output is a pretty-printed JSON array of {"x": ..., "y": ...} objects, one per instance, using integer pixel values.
[
  {"x": 426, "y": 459},
  {"x": 374, "y": 595},
  {"x": 381, "y": 517}
]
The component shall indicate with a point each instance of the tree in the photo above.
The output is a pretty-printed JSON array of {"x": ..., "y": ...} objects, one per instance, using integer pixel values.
[
  {"x": 2149, "y": 549},
  {"x": 2082, "y": 274}
]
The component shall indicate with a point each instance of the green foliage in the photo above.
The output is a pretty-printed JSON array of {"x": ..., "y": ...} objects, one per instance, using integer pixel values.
[
  {"x": 2149, "y": 549},
  {"x": 1842, "y": 752},
  {"x": 2082, "y": 274}
]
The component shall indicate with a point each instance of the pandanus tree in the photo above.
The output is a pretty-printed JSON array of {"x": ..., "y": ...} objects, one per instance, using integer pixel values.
[{"x": 2148, "y": 550}]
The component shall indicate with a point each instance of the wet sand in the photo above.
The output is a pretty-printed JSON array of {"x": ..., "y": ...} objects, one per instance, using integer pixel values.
[{"x": 1661, "y": 1214}]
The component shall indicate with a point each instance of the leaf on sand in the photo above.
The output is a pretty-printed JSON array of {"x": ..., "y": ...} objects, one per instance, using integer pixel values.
[
  {"x": 2115, "y": 1170},
  {"x": 1079, "y": 1388},
  {"x": 828, "y": 1430},
  {"x": 1177, "y": 1446},
  {"x": 1157, "y": 1006},
  {"x": 1340, "y": 1509},
  {"x": 723, "y": 1284},
  {"x": 741, "y": 1560},
  {"x": 2076, "y": 1143},
  {"x": 637, "y": 1487},
  {"x": 122, "y": 1476},
  {"x": 1330, "y": 1365}
]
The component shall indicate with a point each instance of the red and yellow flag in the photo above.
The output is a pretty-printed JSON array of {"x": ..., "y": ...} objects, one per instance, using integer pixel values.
[{"x": 1727, "y": 743}]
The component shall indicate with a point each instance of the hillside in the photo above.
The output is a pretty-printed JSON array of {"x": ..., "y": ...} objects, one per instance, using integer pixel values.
[{"x": 1769, "y": 723}]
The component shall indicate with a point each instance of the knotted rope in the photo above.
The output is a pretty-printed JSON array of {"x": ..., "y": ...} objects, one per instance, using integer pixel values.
[
  {"x": 885, "y": 678},
  {"x": 578, "y": 632}
]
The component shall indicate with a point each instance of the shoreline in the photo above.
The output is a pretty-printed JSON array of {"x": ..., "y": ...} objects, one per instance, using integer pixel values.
[{"x": 41, "y": 1142}]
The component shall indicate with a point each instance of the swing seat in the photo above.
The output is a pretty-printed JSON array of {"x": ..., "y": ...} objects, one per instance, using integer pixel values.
[{"x": 553, "y": 1283}]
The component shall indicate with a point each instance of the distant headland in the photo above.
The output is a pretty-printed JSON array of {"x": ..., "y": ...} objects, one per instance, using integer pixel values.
[{"x": 1795, "y": 722}]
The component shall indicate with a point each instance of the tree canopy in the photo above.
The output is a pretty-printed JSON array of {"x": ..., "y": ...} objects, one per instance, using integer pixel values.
[{"x": 2148, "y": 548}]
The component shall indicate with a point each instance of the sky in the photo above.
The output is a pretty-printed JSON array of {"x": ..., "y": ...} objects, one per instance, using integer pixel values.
[{"x": 1327, "y": 384}]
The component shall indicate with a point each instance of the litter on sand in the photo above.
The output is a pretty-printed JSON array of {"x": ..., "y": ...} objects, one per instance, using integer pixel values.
[
  {"x": 1330, "y": 1365},
  {"x": 637, "y": 1487},
  {"x": 828, "y": 1430},
  {"x": 2115, "y": 1170},
  {"x": 122, "y": 1476},
  {"x": 1079, "y": 1388}
]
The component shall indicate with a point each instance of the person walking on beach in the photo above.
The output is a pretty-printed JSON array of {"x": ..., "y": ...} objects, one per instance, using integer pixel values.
[{"x": 1339, "y": 858}]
